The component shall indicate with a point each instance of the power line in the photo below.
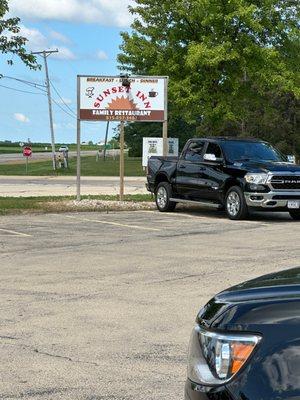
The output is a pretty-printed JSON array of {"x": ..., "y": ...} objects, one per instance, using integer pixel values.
[
  {"x": 19, "y": 90},
  {"x": 62, "y": 99},
  {"x": 36, "y": 85},
  {"x": 73, "y": 115},
  {"x": 65, "y": 111}
]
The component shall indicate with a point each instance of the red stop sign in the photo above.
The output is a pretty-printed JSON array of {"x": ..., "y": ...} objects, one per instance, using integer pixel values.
[{"x": 27, "y": 151}]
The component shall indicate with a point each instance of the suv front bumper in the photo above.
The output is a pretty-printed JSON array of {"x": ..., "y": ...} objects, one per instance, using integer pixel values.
[
  {"x": 195, "y": 392},
  {"x": 271, "y": 199}
]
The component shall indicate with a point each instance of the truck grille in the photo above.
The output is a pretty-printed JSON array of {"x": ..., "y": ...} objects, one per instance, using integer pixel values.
[{"x": 286, "y": 182}]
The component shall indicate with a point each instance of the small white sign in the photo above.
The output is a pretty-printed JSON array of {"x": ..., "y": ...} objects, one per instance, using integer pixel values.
[{"x": 155, "y": 146}]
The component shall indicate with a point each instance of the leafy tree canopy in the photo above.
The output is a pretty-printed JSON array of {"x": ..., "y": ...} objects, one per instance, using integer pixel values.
[
  {"x": 11, "y": 43},
  {"x": 227, "y": 59}
]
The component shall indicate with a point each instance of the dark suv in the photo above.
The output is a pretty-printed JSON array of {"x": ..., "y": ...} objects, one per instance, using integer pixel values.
[
  {"x": 238, "y": 175},
  {"x": 246, "y": 342}
]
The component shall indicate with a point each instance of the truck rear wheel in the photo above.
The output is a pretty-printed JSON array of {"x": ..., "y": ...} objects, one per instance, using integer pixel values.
[
  {"x": 295, "y": 214},
  {"x": 162, "y": 197},
  {"x": 235, "y": 204}
]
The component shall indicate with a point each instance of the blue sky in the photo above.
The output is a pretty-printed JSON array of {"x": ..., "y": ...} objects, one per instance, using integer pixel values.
[{"x": 87, "y": 34}]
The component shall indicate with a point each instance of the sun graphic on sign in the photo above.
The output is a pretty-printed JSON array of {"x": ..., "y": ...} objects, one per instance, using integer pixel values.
[{"x": 122, "y": 103}]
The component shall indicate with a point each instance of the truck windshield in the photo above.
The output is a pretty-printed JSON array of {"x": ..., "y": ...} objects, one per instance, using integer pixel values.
[{"x": 236, "y": 151}]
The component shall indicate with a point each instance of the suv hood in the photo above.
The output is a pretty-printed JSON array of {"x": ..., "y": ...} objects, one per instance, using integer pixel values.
[
  {"x": 284, "y": 284},
  {"x": 233, "y": 305},
  {"x": 266, "y": 166}
]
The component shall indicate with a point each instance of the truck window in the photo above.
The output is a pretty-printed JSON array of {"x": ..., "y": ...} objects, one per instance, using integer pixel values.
[
  {"x": 214, "y": 148},
  {"x": 194, "y": 152}
]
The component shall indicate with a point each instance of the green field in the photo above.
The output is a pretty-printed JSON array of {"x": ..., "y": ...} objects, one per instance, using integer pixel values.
[{"x": 89, "y": 167}]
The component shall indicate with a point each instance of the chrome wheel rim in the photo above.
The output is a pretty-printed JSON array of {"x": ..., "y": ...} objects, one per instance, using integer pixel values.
[
  {"x": 162, "y": 197},
  {"x": 233, "y": 204}
]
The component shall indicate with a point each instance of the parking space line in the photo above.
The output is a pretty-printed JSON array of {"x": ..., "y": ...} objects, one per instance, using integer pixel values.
[
  {"x": 14, "y": 233},
  {"x": 172, "y": 214},
  {"x": 144, "y": 228},
  {"x": 204, "y": 218}
]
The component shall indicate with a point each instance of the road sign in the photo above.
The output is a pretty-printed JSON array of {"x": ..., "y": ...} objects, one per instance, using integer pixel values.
[
  {"x": 27, "y": 151},
  {"x": 105, "y": 98}
]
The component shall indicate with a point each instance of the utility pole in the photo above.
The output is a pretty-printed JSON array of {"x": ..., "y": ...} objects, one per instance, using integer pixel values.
[
  {"x": 122, "y": 161},
  {"x": 165, "y": 123},
  {"x": 45, "y": 54},
  {"x": 105, "y": 143}
]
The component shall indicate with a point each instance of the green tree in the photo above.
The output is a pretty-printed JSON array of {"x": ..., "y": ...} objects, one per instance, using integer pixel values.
[
  {"x": 223, "y": 57},
  {"x": 10, "y": 40}
]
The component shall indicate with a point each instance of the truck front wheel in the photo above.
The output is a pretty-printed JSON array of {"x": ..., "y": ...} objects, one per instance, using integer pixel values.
[
  {"x": 162, "y": 196},
  {"x": 235, "y": 204}
]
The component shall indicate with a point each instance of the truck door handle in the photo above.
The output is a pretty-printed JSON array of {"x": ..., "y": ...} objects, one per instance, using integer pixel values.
[
  {"x": 182, "y": 167},
  {"x": 201, "y": 169}
]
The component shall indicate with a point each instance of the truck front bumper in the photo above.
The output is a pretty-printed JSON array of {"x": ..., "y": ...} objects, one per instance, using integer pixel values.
[{"x": 271, "y": 200}]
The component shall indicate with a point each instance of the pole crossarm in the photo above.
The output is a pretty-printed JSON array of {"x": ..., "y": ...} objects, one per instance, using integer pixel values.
[{"x": 47, "y": 52}]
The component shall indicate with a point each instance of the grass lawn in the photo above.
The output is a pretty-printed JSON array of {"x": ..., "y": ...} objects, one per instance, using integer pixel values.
[
  {"x": 15, "y": 205},
  {"x": 89, "y": 167}
]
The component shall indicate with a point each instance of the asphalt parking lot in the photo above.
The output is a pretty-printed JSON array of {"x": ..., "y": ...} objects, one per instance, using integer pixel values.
[{"x": 100, "y": 306}]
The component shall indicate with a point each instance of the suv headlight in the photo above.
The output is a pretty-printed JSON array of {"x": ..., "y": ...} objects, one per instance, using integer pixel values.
[
  {"x": 258, "y": 179},
  {"x": 214, "y": 358}
]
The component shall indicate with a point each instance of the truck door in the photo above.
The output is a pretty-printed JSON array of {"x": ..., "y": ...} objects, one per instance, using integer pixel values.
[
  {"x": 212, "y": 173},
  {"x": 189, "y": 181}
]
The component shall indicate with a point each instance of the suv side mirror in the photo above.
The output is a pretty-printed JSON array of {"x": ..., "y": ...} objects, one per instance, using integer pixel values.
[
  {"x": 291, "y": 159},
  {"x": 213, "y": 159}
]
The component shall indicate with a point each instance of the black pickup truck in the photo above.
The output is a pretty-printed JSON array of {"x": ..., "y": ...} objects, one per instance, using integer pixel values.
[{"x": 237, "y": 175}]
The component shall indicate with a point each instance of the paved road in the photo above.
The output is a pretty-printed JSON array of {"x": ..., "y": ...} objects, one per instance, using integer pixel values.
[
  {"x": 63, "y": 186},
  {"x": 18, "y": 157},
  {"x": 100, "y": 306}
]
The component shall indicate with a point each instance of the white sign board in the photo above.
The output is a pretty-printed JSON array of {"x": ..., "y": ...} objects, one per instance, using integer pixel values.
[
  {"x": 154, "y": 147},
  {"x": 104, "y": 98}
]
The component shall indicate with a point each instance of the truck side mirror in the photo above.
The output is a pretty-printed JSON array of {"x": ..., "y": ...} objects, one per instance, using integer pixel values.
[
  {"x": 213, "y": 159},
  {"x": 291, "y": 159}
]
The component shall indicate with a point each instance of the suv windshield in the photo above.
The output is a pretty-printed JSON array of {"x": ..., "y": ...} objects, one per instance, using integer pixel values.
[{"x": 236, "y": 151}]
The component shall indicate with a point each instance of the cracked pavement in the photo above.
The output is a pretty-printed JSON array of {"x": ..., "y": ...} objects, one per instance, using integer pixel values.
[{"x": 99, "y": 311}]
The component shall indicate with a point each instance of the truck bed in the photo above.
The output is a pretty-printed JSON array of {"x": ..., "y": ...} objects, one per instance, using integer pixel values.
[{"x": 160, "y": 163}]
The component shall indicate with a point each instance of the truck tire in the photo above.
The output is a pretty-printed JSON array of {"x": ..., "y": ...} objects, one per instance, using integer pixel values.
[
  {"x": 163, "y": 194},
  {"x": 235, "y": 204},
  {"x": 295, "y": 214}
]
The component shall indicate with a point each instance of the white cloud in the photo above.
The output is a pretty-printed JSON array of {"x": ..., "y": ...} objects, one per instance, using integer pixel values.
[
  {"x": 65, "y": 101},
  {"x": 38, "y": 42},
  {"x": 69, "y": 125},
  {"x": 101, "y": 55},
  {"x": 103, "y": 12},
  {"x": 59, "y": 37},
  {"x": 64, "y": 53},
  {"x": 21, "y": 118}
]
